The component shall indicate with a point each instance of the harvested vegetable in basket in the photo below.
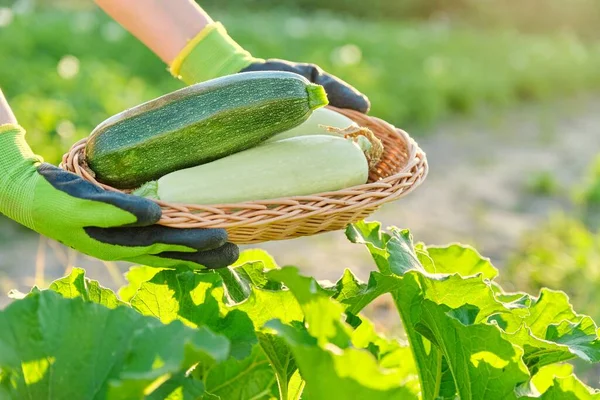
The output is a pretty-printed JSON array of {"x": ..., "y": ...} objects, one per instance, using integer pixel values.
[
  {"x": 199, "y": 124},
  {"x": 319, "y": 123},
  {"x": 302, "y": 165}
]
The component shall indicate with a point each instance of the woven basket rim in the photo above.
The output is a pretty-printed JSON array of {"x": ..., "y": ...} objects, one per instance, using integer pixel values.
[{"x": 259, "y": 213}]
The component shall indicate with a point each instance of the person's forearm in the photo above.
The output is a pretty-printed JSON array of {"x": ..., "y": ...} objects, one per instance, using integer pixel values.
[
  {"x": 6, "y": 114},
  {"x": 164, "y": 26}
]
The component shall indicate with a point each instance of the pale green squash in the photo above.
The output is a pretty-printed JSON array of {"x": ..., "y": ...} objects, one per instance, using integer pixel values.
[
  {"x": 317, "y": 124},
  {"x": 301, "y": 165}
]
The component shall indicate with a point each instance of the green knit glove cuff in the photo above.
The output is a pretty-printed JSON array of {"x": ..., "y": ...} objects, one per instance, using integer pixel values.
[
  {"x": 211, "y": 54},
  {"x": 18, "y": 175}
]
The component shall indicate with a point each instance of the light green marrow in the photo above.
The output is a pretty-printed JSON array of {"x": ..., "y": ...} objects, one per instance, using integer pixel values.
[
  {"x": 199, "y": 124},
  {"x": 317, "y": 124},
  {"x": 296, "y": 166}
]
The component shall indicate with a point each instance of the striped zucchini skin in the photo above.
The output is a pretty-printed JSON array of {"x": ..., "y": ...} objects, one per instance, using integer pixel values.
[{"x": 199, "y": 124}]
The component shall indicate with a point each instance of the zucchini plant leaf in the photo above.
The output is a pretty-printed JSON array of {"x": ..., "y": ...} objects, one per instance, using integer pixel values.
[
  {"x": 406, "y": 292},
  {"x": 551, "y": 331},
  {"x": 483, "y": 363},
  {"x": 159, "y": 351},
  {"x": 349, "y": 373},
  {"x": 135, "y": 277},
  {"x": 356, "y": 295},
  {"x": 197, "y": 300},
  {"x": 264, "y": 305},
  {"x": 248, "y": 378},
  {"x": 105, "y": 353},
  {"x": 77, "y": 285},
  {"x": 282, "y": 361},
  {"x": 390, "y": 354},
  {"x": 335, "y": 360},
  {"x": 322, "y": 315},
  {"x": 490, "y": 341},
  {"x": 459, "y": 259},
  {"x": 557, "y": 382}
]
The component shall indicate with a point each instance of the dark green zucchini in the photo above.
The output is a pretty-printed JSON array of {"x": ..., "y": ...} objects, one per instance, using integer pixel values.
[{"x": 199, "y": 124}]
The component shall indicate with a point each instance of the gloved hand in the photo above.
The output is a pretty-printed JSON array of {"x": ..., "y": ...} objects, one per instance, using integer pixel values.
[
  {"x": 102, "y": 224},
  {"x": 212, "y": 53}
]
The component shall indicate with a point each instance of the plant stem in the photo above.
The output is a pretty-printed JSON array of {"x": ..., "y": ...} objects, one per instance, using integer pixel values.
[{"x": 438, "y": 378}]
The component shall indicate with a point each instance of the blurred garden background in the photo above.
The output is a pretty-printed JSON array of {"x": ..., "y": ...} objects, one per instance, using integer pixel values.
[{"x": 503, "y": 96}]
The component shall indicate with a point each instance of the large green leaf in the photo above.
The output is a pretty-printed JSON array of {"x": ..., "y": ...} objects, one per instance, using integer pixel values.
[
  {"x": 197, "y": 300},
  {"x": 282, "y": 360},
  {"x": 77, "y": 285},
  {"x": 483, "y": 364},
  {"x": 135, "y": 277},
  {"x": 323, "y": 316},
  {"x": 557, "y": 382},
  {"x": 407, "y": 293},
  {"x": 551, "y": 331},
  {"x": 489, "y": 340},
  {"x": 349, "y": 373},
  {"x": 47, "y": 342},
  {"x": 459, "y": 259},
  {"x": 52, "y": 347},
  {"x": 267, "y": 301},
  {"x": 334, "y": 360},
  {"x": 356, "y": 295},
  {"x": 159, "y": 351},
  {"x": 390, "y": 354}
]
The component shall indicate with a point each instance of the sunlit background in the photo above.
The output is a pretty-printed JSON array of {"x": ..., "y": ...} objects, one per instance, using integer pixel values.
[{"x": 502, "y": 96}]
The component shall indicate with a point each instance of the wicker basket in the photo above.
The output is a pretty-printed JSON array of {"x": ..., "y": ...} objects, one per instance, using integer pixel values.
[{"x": 401, "y": 169}]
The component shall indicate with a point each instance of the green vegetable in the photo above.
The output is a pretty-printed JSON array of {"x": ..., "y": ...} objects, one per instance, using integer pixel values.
[
  {"x": 259, "y": 331},
  {"x": 291, "y": 167},
  {"x": 317, "y": 124},
  {"x": 199, "y": 124}
]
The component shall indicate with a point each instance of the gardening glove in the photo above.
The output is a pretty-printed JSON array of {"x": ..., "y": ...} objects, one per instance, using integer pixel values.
[
  {"x": 212, "y": 53},
  {"x": 106, "y": 225}
]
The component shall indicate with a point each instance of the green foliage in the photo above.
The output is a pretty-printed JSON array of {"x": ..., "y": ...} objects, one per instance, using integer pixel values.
[
  {"x": 66, "y": 71},
  {"x": 581, "y": 16},
  {"x": 577, "y": 16},
  {"x": 386, "y": 9},
  {"x": 587, "y": 195},
  {"x": 259, "y": 331},
  {"x": 419, "y": 73},
  {"x": 542, "y": 183},
  {"x": 561, "y": 254}
]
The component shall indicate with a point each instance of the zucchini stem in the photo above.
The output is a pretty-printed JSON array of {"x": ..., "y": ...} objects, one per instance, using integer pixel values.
[
  {"x": 317, "y": 97},
  {"x": 366, "y": 140}
]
